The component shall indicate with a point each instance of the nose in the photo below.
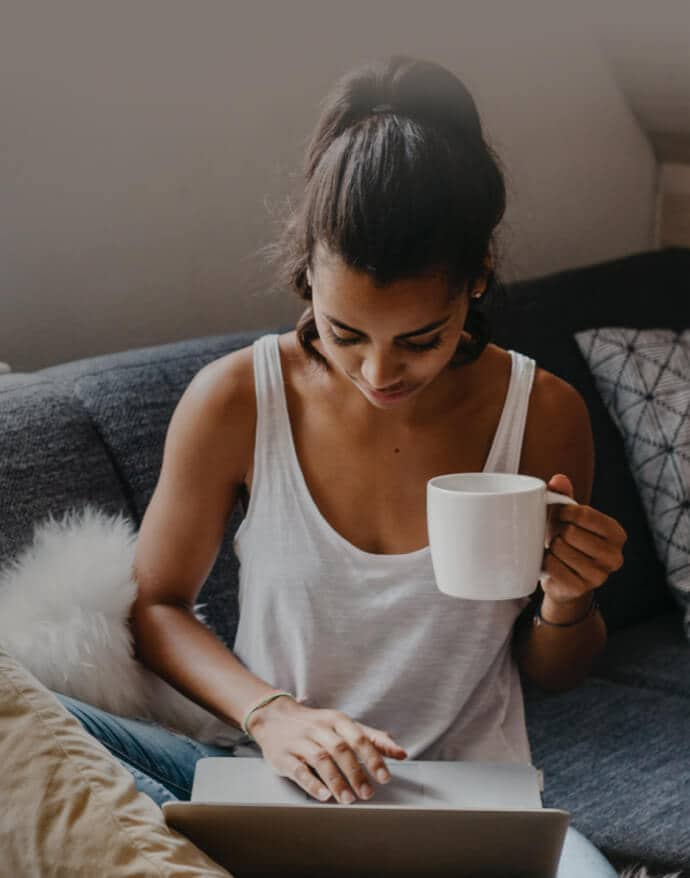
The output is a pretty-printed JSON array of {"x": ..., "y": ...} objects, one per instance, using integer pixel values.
[{"x": 380, "y": 370}]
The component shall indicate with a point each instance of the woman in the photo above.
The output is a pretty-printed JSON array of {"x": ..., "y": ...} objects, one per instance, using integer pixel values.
[{"x": 346, "y": 652}]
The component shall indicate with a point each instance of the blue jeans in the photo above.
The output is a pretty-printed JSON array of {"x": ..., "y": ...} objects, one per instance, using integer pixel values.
[{"x": 162, "y": 763}]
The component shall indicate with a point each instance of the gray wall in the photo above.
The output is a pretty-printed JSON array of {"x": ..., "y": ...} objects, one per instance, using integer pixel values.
[
  {"x": 147, "y": 148},
  {"x": 648, "y": 49}
]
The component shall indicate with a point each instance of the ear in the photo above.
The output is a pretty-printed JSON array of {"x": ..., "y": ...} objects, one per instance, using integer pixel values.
[{"x": 487, "y": 266}]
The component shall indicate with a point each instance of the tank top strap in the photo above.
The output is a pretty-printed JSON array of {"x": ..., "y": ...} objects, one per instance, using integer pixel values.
[
  {"x": 507, "y": 447},
  {"x": 272, "y": 458}
]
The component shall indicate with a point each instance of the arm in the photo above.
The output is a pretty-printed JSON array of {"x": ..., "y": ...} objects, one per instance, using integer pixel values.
[
  {"x": 558, "y": 439},
  {"x": 208, "y": 449},
  {"x": 558, "y": 658},
  {"x": 206, "y": 456}
]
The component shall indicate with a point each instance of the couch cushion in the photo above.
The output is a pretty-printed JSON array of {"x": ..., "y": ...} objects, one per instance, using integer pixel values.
[
  {"x": 539, "y": 317},
  {"x": 130, "y": 398},
  {"x": 616, "y": 757},
  {"x": 92, "y": 431},
  {"x": 67, "y": 807},
  {"x": 653, "y": 655},
  {"x": 50, "y": 458}
]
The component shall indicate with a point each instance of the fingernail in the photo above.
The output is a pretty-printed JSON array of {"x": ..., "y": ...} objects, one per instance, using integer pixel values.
[
  {"x": 347, "y": 797},
  {"x": 365, "y": 791},
  {"x": 382, "y": 775},
  {"x": 324, "y": 794}
]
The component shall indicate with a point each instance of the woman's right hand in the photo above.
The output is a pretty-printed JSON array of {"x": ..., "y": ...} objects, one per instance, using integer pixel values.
[{"x": 323, "y": 751}]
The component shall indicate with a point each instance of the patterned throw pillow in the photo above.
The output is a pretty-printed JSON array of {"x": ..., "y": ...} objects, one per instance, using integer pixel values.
[{"x": 643, "y": 377}]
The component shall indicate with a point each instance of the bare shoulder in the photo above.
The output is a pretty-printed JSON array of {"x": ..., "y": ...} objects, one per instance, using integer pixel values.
[
  {"x": 219, "y": 407},
  {"x": 226, "y": 387},
  {"x": 550, "y": 390},
  {"x": 558, "y": 434},
  {"x": 229, "y": 380},
  {"x": 226, "y": 380}
]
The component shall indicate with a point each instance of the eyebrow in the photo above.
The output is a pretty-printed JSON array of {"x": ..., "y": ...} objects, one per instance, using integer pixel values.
[{"x": 421, "y": 331}]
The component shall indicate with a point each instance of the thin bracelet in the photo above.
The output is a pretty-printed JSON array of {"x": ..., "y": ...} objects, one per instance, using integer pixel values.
[
  {"x": 540, "y": 620},
  {"x": 261, "y": 703}
]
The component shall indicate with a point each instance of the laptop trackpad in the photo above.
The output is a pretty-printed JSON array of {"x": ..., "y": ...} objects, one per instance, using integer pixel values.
[
  {"x": 404, "y": 788},
  {"x": 263, "y": 786}
]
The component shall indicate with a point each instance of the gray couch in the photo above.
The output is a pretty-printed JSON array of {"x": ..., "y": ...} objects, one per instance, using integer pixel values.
[{"x": 615, "y": 751}]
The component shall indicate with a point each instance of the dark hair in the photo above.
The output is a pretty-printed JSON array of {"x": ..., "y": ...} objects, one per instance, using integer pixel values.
[{"x": 399, "y": 181}]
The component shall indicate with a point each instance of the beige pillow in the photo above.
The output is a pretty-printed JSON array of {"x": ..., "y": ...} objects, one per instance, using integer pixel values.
[{"x": 67, "y": 807}]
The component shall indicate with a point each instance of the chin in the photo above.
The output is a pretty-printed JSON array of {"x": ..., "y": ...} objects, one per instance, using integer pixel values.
[{"x": 394, "y": 400}]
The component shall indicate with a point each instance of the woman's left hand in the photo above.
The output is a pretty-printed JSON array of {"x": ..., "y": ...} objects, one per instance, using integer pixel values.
[{"x": 584, "y": 547}]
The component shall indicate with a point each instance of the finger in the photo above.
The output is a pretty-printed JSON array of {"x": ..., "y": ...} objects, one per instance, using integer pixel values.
[
  {"x": 384, "y": 742},
  {"x": 326, "y": 765},
  {"x": 595, "y": 547},
  {"x": 343, "y": 752},
  {"x": 582, "y": 566},
  {"x": 561, "y": 583},
  {"x": 361, "y": 739},
  {"x": 592, "y": 520},
  {"x": 304, "y": 777}
]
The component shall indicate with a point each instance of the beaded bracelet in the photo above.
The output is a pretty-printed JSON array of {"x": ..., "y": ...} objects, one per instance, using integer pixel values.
[
  {"x": 540, "y": 620},
  {"x": 261, "y": 703}
]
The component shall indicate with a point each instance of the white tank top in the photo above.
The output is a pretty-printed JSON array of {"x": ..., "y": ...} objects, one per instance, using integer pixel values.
[{"x": 371, "y": 634}]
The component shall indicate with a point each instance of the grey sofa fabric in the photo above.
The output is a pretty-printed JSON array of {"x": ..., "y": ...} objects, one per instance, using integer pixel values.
[
  {"x": 617, "y": 758},
  {"x": 50, "y": 457},
  {"x": 130, "y": 401},
  {"x": 653, "y": 655},
  {"x": 93, "y": 430},
  {"x": 615, "y": 752}
]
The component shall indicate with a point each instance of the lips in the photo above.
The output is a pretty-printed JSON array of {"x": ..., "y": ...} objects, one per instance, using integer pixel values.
[
  {"x": 390, "y": 396},
  {"x": 387, "y": 391}
]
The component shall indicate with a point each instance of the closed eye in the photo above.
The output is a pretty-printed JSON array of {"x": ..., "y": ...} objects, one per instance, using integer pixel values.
[{"x": 433, "y": 343}]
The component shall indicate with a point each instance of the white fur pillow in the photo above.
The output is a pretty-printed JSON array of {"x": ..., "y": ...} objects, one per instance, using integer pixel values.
[{"x": 64, "y": 605}]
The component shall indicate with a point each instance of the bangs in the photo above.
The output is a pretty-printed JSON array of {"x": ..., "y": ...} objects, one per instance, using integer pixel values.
[{"x": 394, "y": 199}]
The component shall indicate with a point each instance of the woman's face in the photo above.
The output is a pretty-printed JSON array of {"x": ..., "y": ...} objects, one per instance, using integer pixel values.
[{"x": 390, "y": 343}]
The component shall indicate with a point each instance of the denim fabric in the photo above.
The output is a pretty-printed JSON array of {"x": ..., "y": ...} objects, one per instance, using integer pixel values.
[{"x": 162, "y": 763}]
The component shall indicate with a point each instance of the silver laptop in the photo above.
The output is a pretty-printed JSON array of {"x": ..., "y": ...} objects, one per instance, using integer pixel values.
[{"x": 457, "y": 819}]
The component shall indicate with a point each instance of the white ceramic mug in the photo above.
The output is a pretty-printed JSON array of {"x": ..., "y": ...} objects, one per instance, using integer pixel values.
[{"x": 487, "y": 533}]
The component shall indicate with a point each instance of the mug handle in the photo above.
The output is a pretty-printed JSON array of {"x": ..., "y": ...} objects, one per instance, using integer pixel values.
[{"x": 555, "y": 497}]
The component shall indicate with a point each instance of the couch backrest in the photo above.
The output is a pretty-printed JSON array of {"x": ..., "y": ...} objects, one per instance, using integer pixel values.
[
  {"x": 93, "y": 431},
  {"x": 50, "y": 457}
]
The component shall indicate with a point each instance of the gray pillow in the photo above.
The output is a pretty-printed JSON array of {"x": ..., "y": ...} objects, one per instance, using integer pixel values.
[{"x": 643, "y": 378}]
